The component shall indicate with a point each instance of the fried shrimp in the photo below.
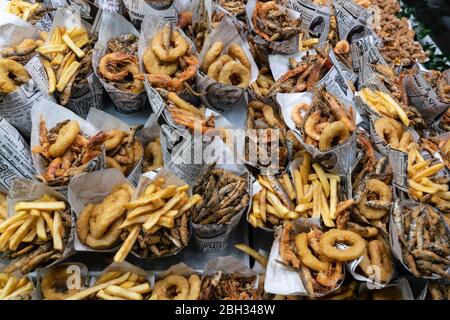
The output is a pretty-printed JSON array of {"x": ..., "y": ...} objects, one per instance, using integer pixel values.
[
  {"x": 153, "y": 65},
  {"x": 307, "y": 258},
  {"x": 66, "y": 136},
  {"x": 12, "y": 75},
  {"x": 159, "y": 47},
  {"x": 389, "y": 130},
  {"x": 172, "y": 287},
  {"x": 234, "y": 73},
  {"x": 236, "y": 52},
  {"x": 331, "y": 276},
  {"x": 356, "y": 245},
  {"x": 296, "y": 113},
  {"x": 342, "y": 47},
  {"x": 335, "y": 132},
  {"x": 211, "y": 55},
  {"x": 215, "y": 67},
  {"x": 116, "y": 66}
]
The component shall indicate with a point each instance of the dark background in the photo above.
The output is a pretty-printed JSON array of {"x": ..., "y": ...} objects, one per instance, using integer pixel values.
[{"x": 434, "y": 15}]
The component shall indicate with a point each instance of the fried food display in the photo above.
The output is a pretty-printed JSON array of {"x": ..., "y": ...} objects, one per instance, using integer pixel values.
[
  {"x": 54, "y": 284},
  {"x": 270, "y": 127},
  {"x": 27, "y": 11},
  {"x": 157, "y": 222},
  {"x": 224, "y": 286},
  {"x": 116, "y": 285},
  {"x": 314, "y": 256},
  {"x": 12, "y": 76},
  {"x": 13, "y": 287},
  {"x": 438, "y": 290},
  {"x": 36, "y": 234},
  {"x": 424, "y": 239},
  {"x": 377, "y": 263},
  {"x": 153, "y": 158},
  {"x": 232, "y": 68},
  {"x": 272, "y": 22},
  {"x": 223, "y": 194},
  {"x": 98, "y": 225},
  {"x": 66, "y": 151},
  {"x": 21, "y": 52},
  {"x": 123, "y": 149},
  {"x": 67, "y": 58},
  {"x": 169, "y": 60},
  {"x": 302, "y": 75},
  {"x": 120, "y": 66},
  {"x": 326, "y": 122},
  {"x": 177, "y": 287}
]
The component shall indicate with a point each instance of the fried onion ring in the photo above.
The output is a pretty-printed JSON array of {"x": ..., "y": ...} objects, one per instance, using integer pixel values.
[
  {"x": 153, "y": 155},
  {"x": 54, "y": 284},
  {"x": 389, "y": 130},
  {"x": 356, "y": 244},
  {"x": 211, "y": 55},
  {"x": 307, "y": 258},
  {"x": 113, "y": 138},
  {"x": 232, "y": 70},
  {"x": 173, "y": 281},
  {"x": 334, "y": 132},
  {"x": 236, "y": 52},
  {"x": 66, "y": 136},
  {"x": 10, "y": 72},
  {"x": 215, "y": 67},
  {"x": 171, "y": 54},
  {"x": 153, "y": 65}
]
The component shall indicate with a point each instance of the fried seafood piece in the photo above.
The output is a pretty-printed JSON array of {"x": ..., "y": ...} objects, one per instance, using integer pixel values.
[
  {"x": 224, "y": 195},
  {"x": 21, "y": 52},
  {"x": 12, "y": 75},
  {"x": 377, "y": 262},
  {"x": 153, "y": 158},
  {"x": 65, "y": 151},
  {"x": 177, "y": 287},
  {"x": 223, "y": 286},
  {"x": 438, "y": 290},
  {"x": 54, "y": 284},
  {"x": 98, "y": 224}
]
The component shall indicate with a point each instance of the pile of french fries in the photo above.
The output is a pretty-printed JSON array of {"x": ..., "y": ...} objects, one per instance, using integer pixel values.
[
  {"x": 14, "y": 288},
  {"x": 384, "y": 104},
  {"x": 420, "y": 172},
  {"x": 61, "y": 55},
  {"x": 22, "y": 9},
  {"x": 312, "y": 190},
  {"x": 116, "y": 285},
  {"x": 156, "y": 207},
  {"x": 33, "y": 221}
]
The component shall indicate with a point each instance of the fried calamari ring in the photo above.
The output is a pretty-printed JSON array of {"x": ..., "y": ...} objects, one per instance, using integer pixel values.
[
  {"x": 172, "y": 282},
  {"x": 54, "y": 284},
  {"x": 234, "y": 70},
  {"x": 236, "y": 52},
  {"x": 334, "y": 132},
  {"x": 211, "y": 55},
  {"x": 215, "y": 67},
  {"x": 107, "y": 239},
  {"x": 194, "y": 287},
  {"x": 153, "y": 155},
  {"x": 296, "y": 113},
  {"x": 66, "y": 136},
  {"x": 380, "y": 258},
  {"x": 389, "y": 130},
  {"x": 383, "y": 191},
  {"x": 356, "y": 245},
  {"x": 113, "y": 138},
  {"x": 153, "y": 65},
  {"x": 312, "y": 125},
  {"x": 171, "y": 54},
  {"x": 11, "y": 72},
  {"x": 307, "y": 258}
]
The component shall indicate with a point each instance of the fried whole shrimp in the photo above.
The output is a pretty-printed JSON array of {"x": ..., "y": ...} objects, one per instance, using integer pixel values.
[
  {"x": 175, "y": 283},
  {"x": 116, "y": 66},
  {"x": 12, "y": 75},
  {"x": 389, "y": 130},
  {"x": 335, "y": 132},
  {"x": 331, "y": 276},
  {"x": 211, "y": 55},
  {"x": 342, "y": 47},
  {"x": 356, "y": 245},
  {"x": 161, "y": 45},
  {"x": 234, "y": 73},
  {"x": 153, "y": 65}
]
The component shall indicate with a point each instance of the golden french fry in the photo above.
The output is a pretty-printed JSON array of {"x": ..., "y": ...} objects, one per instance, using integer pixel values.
[
  {"x": 7, "y": 234},
  {"x": 325, "y": 212},
  {"x": 420, "y": 187},
  {"x": 427, "y": 182},
  {"x": 304, "y": 207},
  {"x": 21, "y": 233},
  {"x": 57, "y": 231},
  {"x": 102, "y": 295},
  {"x": 51, "y": 76},
  {"x": 428, "y": 171},
  {"x": 66, "y": 75},
  {"x": 262, "y": 260},
  {"x": 122, "y": 293},
  {"x": 298, "y": 185},
  {"x": 141, "y": 288},
  {"x": 276, "y": 203},
  {"x": 154, "y": 218},
  {"x": 80, "y": 54},
  {"x": 166, "y": 222},
  {"x": 108, "y": 276},
  {"x": 265, "y": 184},
  {"x": 87, "y": 292},
  {"x": 27, "y": 288},
  {"x": 398, "y": 109},
  {"x": 308, "y": 195},
  {"x": 48, "y": 221},
  {"x": 9, "y": 287},
  {"x": 13, "y": 219},
  {"x": 292, "y": 215},
  {"x": 52, "y": 48},
  {"x": 42, "y": 206},
  {"x": 127, "y": 245},
  {"x": 262, "y": 203},
  {"x": 305, "y": 167},
  {"x": 322, "y": 178},
  {"x": 253, "y": 220},
  {"x": 333, "y": 197},
  {"x": 30, "y": 236},
  {"x": 162, "y": 194},
  {"x": 317, "y": 200},
  {"x": 255, "y": 206},
  {"x": 288, "y": 185}
]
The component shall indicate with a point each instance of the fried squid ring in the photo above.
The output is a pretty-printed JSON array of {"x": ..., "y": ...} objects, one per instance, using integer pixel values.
[
  {"x": 385, "y": 197},
  {"x": 153, "y": 155},
  {"x": 153, "y": 65},
  {"x": 211, "y": 55},
  {"x": 236, "y": 52},
  {"x": 307, "y": 258},
  {"x": 215, "y": 67},
  {"x": 312, "y": 125},
  {"x": 11, "y": 72},
  {"x": 234, "y": 72},
  {"x": 194, "y": 287},
  {"x": 356, "y": 245},
  {"x": 66, "y": 136},
  {"x": 296, "y": 113},
  {"x": 330, "y": 277},
  {"x": 389, "y": 130},
  {"x": 169, "y": 54},
  {"x": 54, "y": 284},
  {"x": 172, "y": 282},
  {"x": 334, "y": 132},
  {"x": 113, "y": 138}
]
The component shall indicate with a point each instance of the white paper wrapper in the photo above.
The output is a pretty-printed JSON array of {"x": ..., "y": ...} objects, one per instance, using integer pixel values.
[
  {"x": 402, "y": 284},
  {"x": 15, "y": 156},
  {"x": 116, "y": 6},
  {"x": 366, "y": 46},
  {"x": 78, "y": 277},
  {"x": 138, "y": 9},
  {"x": 104, "y": 122},
  {"x": 92, "y": 187},
  {"x": 338, "y": 159},
  {"x": 225, "y": 99},
  {"x": 29, "y": 190},
  {"x": 53, "y": 114},
  {"x": 112, "y": 25},
  {"x": 287, "y": 46}
]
